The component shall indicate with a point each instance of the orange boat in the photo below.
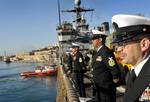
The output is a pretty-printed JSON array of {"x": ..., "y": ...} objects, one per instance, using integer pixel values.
[{"x": 41, "y": 71}]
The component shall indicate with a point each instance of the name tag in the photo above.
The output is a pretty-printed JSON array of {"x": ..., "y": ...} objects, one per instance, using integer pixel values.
[{"x": 99, "y": 58}]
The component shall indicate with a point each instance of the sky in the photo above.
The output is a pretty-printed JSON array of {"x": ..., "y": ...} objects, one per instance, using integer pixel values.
[{"x": 27, "y": 25}]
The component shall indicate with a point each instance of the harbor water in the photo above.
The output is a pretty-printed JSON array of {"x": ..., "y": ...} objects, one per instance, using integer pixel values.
[{"x": 14, "y": 88}]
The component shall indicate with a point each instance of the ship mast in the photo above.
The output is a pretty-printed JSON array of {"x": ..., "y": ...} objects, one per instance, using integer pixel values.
[
  {"x": 59, "y": 16},
  {"x": 78, "y": 11}
]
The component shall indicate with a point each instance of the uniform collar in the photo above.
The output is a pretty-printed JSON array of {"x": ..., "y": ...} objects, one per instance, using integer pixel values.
[{"x": 138, "y": 68}]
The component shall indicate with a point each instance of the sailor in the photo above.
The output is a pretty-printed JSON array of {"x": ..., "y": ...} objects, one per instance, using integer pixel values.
[
  {"x": 132, "y": 32},
  {"x": 69, "y": 62},
  {"x": 105, "y": 69},
  {"x": 78, "y": 69}
]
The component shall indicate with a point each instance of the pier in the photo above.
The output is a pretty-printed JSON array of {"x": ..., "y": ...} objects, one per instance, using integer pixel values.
[
  {"x": 65, "y": 90},
  {"x": 67, "y": 93}
]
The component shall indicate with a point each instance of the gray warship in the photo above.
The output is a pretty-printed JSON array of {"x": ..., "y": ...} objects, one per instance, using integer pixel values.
[{"x": 78, "y": 30}]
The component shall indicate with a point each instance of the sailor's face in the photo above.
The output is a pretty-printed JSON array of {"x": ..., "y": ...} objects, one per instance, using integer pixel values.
[
  {"x": 131, "y": 53},
  {"x": 96, "y": 43},
  {"x": 74, "y": 50}
]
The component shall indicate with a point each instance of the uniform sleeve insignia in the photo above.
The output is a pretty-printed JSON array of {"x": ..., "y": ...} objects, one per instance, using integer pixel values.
[
  {"x": 99, "y": 58},
  {"x": 80, "y": 60},
  {"x": 145, "y": 95},
  {"x": 111, "y": 62}
]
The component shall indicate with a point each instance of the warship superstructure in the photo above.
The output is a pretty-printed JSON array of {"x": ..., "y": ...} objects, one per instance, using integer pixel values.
[
  {"x": 78, "y": 30},
  {"x": 67, "y": 33}
]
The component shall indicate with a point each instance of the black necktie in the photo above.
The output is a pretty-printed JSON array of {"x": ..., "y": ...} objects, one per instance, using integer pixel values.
[{"x": 131, "y": 78}]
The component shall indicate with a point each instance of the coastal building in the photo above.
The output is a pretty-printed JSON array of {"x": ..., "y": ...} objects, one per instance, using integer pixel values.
[{"x": 47, "y": 54}]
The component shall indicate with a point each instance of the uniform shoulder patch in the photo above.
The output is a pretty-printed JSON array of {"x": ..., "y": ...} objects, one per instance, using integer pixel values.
[
  {"x": 111, "y": 62},
  {"x": 80, "y": 59}
]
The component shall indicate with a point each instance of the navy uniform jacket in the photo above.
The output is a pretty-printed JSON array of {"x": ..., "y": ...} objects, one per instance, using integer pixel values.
[
  {"x": 140, "y": 90},
  {"x": 78, "y": 62},
  {"x": 69, "y": 61},
  {"x": 105, "y": 68}
]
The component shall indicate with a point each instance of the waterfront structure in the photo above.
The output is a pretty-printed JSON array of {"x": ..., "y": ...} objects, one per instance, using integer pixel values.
[
  {"x": 47, "y": 54},
  {"x": 1, "y": 58}
]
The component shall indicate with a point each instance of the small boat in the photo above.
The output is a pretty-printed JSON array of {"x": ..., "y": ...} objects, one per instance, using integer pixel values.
[
  {"x": 41, "y": 71},
  {"x": 7, "y": 60}
]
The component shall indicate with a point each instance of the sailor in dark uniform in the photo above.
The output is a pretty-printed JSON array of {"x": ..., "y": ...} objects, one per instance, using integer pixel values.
[
  {"x": 68, "y": 69},
  {"x": 105, "y": 69},
  {"x": 78, "y": 69},
  {"x": 132, "y": 32}
]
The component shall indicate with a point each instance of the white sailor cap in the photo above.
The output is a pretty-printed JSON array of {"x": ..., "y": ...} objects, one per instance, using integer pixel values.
[
  {"x": 127, "y": 27},
  {"x": 97, "y": 34},
  {"x": 74, "y": 45}
]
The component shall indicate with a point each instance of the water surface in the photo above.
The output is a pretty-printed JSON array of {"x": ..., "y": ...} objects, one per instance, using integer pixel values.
[{"x": 14, "y": 88}]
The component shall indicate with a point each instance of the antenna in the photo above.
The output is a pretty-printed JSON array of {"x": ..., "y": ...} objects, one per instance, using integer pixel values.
[{"x": 59, "y": 12}]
